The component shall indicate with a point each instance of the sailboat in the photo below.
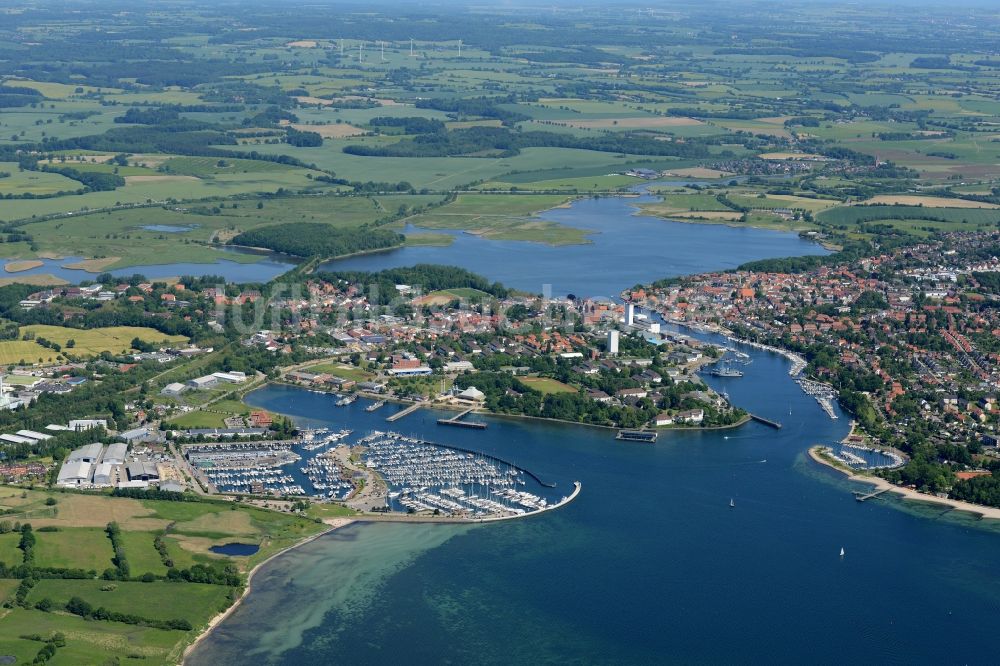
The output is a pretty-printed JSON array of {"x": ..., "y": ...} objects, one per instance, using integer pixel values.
[
  {"x": 732, "y": 503},
  {"x": 841, "y": 551}
]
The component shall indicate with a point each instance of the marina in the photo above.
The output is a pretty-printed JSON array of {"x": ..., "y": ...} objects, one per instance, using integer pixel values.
[
  {"x": 426, "y": 477},
  {"x": 419, "y": 476},
  {"x": 824, "y": 394},
  {"x": 861, "y": 457}
]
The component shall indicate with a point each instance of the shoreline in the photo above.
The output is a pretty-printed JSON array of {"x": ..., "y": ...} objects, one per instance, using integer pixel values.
[
  {"x": 332, "y": 525},
  {"x": 485, "y": 412},
  {"x": 984, "y": 512},
  {"x": 337, "y": 523}
]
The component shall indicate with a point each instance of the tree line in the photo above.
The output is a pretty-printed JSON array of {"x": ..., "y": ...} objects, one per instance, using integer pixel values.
[{"x": 306, "y": 239}]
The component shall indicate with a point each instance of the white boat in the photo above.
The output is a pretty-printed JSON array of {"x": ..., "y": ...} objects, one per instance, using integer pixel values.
[
  {"x": 732, "y": 503},
  {"x": 841, "y": 551}
]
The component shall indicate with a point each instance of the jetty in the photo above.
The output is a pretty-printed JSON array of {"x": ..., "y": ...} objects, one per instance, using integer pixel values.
[
  {"x": 404, "y": 412},
  {"x": 862, "y": 497},
  {"x": 456, "y": 420},
  {"x": 767, "y": 422}
]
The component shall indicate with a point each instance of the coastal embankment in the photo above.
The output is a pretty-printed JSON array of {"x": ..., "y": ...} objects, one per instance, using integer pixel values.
[
  {"x": 332, "y": 523},
  {"x": 821, "y": 455}
]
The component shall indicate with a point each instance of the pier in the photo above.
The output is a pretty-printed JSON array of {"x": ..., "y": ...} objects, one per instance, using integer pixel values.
[
  {"x": 861, "y": 497},
  {"x": 456, "y": 420},
  {"x": 648, "y": 436},
  {"x": 405, "y": 412},
  {"x": 768, "y": 422}
]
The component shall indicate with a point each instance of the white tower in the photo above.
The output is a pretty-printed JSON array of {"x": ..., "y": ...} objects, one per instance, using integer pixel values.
[
  {"x": 630, "y": 314},
  {"x": 612, "y": 342}
]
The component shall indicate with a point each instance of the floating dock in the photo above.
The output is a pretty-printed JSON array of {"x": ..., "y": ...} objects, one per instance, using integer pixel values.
[
  {"x": 647, "y": 436},
  {"x": 768, "y": 422},
  {"x": 456, "y": 420}
]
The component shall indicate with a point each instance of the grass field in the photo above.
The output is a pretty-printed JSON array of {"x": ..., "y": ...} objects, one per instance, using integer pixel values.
[
  {"x": 200, "y": 419},
  {"x": 927, "y": 202},
  {"x": 121, "y": 234},
  {"x": 343, "y": 371},
  {"x": 10, "y": 554},
  {"x": 159, "y": 600},
  {"x": 88, "y": 642},
  {"x": 34, "y": 182},
  {"x": 849, "y": 215},
  {"x": 142, "y": 556},
  {"x": 600, "y": 183},
  {"x": 429, "y": 239},
  {"x": 692, "y": 202},
  {"x": 548, "y": 385},
  {"x": 18, "y": 351},
  {"x": 81, "y": 518},
  {"x": 74, "y": 547},
  {"x": 772, "y": 201},
  {"x": 92, "y": 342},
  {"x": 503, "y": 217}
]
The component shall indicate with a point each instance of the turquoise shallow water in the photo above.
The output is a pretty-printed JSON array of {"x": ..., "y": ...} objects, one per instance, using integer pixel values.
[{"x": 648, "y": 565}]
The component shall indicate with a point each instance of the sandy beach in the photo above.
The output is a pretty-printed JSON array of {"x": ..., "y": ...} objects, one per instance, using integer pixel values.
[
  {"x": 815, "y": 453},
  {"x": 332, "y": 523}
]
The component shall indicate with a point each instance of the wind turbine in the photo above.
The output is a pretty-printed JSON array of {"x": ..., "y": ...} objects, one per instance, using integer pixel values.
[
  {"x": 382, "y": 55},
  {"x": 360, "y": 54},
  {"x": 411, "y": 47},
  {"x": 460, "y": 48}
]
